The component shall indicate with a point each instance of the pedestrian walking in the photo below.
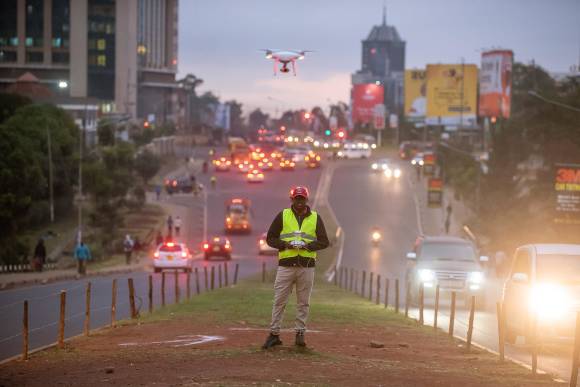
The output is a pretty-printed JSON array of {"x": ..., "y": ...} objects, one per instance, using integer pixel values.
[
  {"x": 205, "y": 166},
  {"x": 447, "y": 224},
  {"x": 158, "y": 239},
  {"x": 177, "y": 225},
  {"x": 158, "y": 192},
  {"x": 39, "y": 256},
  {"x": 213, "y": 181},
  {"x": 137, "y": 248},
  {"x": 82, "y": 255},
  {"x": 170, "y": 224},
  {"x": 298, "y": 233},
  {"x": 128, "y": 245}
]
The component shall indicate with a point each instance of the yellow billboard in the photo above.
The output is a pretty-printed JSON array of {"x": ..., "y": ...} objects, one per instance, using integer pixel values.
[
  {"x": 415, "y": 94},
  {"x": 452, "y": 95}
]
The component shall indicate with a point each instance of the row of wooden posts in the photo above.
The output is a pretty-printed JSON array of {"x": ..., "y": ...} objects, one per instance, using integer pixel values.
[
  {"x": 210, "y": 282},
  {"x": 347, "y": 279}
]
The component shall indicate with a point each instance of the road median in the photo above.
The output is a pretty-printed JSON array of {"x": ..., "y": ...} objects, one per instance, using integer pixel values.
[{"x": 215, "y": 338}]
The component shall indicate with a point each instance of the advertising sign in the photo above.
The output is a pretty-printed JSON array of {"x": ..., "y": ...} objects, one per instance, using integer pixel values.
[
  {"x": 434, "y": 192},
  {"x": 567, "y": 193},
  {"x": 364, "y": 98},
  {"x": 495, "y": 83},
  {"x": 429, "y": 164},
  {"x": 415, "y": 94},
  {"x": 379, "y": 112},
  {"x": 452, "y": 95}
]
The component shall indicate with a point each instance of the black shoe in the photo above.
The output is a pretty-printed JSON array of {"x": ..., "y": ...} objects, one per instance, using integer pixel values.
[
  {"x": 272, "y": 341},
  {"x": 300, "y": 339}
]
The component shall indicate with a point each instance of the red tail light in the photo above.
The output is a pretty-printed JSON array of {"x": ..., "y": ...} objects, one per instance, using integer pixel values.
[
  {"x": 206, "y": 246},
  {"x": 156, "y": 254},
  {"x": 262, "y": 241},
  {"x": 170, "y": 244},
  {"x": 183, "y": 254},
  {"x": 228, "y": 246}
]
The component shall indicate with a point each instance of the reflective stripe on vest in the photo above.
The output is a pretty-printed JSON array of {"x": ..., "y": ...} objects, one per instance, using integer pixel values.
[{"x": 291, "y": 231}]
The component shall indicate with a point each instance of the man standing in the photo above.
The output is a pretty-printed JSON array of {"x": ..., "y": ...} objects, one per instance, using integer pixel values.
[
  {"x": 297, "y": 232},
  {"x": 177, "y": 225},
  {"x": 82, "y": 254},
  {"x": 169, "y": 225},
  {"x": 128, "y": 248}
]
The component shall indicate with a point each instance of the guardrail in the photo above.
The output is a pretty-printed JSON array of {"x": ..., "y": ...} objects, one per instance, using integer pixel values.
[
  {"x": 23, "y": 267},
  {"x": 348, "y": 279},
  {"x": 214, "y": 277}
]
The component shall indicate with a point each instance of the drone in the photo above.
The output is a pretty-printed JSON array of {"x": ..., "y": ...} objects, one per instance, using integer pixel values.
[{"x": 285, "y": 57}]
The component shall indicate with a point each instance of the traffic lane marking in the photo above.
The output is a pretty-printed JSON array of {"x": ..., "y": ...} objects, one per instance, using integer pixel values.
[{"x": 180, "y": 341}]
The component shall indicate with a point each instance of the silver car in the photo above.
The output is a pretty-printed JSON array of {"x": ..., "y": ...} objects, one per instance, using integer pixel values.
[{"x": 450, "y": 262}]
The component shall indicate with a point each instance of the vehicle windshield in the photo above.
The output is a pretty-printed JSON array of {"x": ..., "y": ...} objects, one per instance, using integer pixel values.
[
  {"x": 170, "y": 249},
  {"x": 447, "y": 251},
  {"x": 237, "y": 208},
  {"x": 558, "y": 268}
]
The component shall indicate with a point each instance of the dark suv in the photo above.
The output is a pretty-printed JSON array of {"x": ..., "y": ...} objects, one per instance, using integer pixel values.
[{"x": 178, "y": 184}]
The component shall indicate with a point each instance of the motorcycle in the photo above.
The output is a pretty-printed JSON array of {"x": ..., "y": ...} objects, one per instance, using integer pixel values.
[{"x": 376, "y": 237}]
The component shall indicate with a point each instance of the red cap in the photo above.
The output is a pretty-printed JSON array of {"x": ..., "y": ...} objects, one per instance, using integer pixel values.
[{"x": 299, "y": 191}]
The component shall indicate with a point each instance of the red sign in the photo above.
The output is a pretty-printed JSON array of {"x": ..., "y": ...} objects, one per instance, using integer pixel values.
[
  {"x": 435, "y": 184},
  {"x": 364, "y": 97}
]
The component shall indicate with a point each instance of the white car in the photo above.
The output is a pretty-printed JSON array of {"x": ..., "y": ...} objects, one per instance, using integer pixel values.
[
  {"x": 172, "y": 255},
  {"x": 418, "y": 159},
  {"x": 354, "y": 151},
  {"x": 381, "y": 165},
  {"x": 263, "y": 248},
  {"x": 543, "y": 285},
  {"x": 296, "y": 154}
]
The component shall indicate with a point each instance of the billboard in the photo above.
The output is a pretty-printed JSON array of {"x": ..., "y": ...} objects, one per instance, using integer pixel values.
[
  {"x": 434, "y": 192},
  {"x": 364, "y": 97},
  {"x": 415, "y": 94},
  {"x": 495, "y": 83},
  {"x": 452, "y": 95},
  {"x": 567, "y": 193}
]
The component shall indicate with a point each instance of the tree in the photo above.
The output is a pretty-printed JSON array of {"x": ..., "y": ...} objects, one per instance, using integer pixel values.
[
  {"x": 9, "y": 103},
  {"x": 257, "y": 119},
  {"x": 147, "y": 165},
  {"x": 236, "y": 119}
]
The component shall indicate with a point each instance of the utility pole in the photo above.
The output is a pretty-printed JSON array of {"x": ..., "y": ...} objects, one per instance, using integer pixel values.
[
  {"x": 462, "y": 93},
  {"x": 50, "y": 175},
  {"x": 80, "y": 193}
]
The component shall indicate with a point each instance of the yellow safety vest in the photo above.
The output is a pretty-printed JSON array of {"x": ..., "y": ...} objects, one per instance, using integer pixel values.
[{"x": 291, "y": 232}]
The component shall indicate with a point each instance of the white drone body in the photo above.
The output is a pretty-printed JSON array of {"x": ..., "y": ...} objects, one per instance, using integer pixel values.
[{"x": 285, "y": 57}]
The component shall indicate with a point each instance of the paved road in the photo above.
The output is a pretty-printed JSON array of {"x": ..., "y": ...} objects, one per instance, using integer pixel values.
[
  {"x": 267, "y": 198},
  {"x": 362, "y": 199}
]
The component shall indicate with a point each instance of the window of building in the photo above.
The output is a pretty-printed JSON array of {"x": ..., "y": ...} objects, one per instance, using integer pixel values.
[
  {"x": 34, "y": 23},
  {"x": 101, "y": 60},
  {"x": 8, "y": 30},
  {"x": 60, "y": 23},
  {"x": 60, "y": 57},
  {"x": 34, "y": 56},
  {"x": 7, "y": 56},
  {"x": 101, "y": 44}
]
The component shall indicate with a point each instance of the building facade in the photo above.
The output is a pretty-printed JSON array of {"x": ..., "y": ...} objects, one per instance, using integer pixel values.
[
  {"x": 122, "y": 53},
  {"x": 383, "y": 63}
]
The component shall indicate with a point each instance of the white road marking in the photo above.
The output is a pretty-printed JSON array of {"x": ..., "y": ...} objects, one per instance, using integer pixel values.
[
  {"x": 268, "y": 329},
  {"x": 185, "y": 341}
]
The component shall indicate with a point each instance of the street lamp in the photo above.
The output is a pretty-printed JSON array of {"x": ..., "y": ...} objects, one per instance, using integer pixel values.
[{"x": 62, "y": 84}]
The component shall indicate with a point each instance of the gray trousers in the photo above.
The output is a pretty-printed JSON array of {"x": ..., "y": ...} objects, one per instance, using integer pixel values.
[{"x": 286, "y": 277}]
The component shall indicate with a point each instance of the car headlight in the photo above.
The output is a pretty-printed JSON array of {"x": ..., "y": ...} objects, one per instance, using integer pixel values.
[
  {"x": 340, "y": 154},
  {"x": 476, "y": 277},
  {"x": 421, "y": 162},
  {"x": 549, "y": 301},
  {"x": 388, "y": 173},
  {"x": 413, "y": 162},
  {"x": 426, "y": 275},
  {"x": 397, "y": 173},
  {"x": 374, "y": 146},
  {"x": 375, "y": 166}
]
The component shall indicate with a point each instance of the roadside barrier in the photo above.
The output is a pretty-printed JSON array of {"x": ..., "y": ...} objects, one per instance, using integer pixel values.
[
  {"x": 24, "y": 267},
  {"x": 347, "y": 279},
  {"x": 88, "y": 312}
]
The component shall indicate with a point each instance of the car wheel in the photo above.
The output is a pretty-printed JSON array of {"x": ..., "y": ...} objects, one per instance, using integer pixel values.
[{"x": 157, "y": 270}]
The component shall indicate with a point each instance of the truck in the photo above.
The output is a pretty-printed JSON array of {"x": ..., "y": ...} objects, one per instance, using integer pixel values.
[{"x": 238, "y": 216}]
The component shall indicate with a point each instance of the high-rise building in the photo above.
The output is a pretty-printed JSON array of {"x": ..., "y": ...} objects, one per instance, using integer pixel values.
[
  {"x": 383, "y": 63},
  {"x": 121, "y": 52}
]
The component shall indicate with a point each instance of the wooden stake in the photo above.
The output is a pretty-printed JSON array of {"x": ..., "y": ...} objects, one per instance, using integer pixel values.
[
  {"x": 407, "y": 299},
  {"x": 421, "y": 303},
  {"x": 132, "y": 297},
  {"x": 387, "y": 292},
  {"x": 150, "y": 293},
  {"x": 470, "y": 326},
  {"x": 452, "y": 314},
  {"x": 220, "y": 275},
  {"x": 378, "y": 301},
  {"x": 335, "y": 278},
  {"x": 163, "y": 289},
  {"x": 436, "y": 311},
  {"x": 363, "y": 286},
  {"x": 500, "y": 330},
  {"x": 61, "y": 319},
  {"x": 236, "y": 273},
  {"x": 263, "y": 271},
  {"x": 350, "y": 287},
  {"x": 87, "y": 325},
  {"x": 396, "y": 295},
  {"x": 371, "y": 275},
  {"x": 176, "y": 285},
  {"x": 25, "y": 331},
  {"x": 576, "y": 353},
  {"x": 205, "y": 278},
  {"x": 113, "y": 303},
  {"x": 188, "y": 284},
  {"x": 197, "y": 286},
  {"x": 226, "y": 274},
  {"x": 212, "y": 277}
]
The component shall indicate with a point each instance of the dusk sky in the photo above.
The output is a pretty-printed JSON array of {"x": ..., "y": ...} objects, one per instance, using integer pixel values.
[{"x": 219, "y": 41}]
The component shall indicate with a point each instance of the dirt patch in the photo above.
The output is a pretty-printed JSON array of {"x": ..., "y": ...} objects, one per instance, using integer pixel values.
[{"x": 162, "y": 353}]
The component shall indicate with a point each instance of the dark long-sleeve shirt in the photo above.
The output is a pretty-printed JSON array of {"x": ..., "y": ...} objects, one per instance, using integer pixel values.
[{"x": 273, "y": 239}]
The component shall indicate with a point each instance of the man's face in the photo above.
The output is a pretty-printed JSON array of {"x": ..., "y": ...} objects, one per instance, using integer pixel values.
[{"x": 299, "y": 203}]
